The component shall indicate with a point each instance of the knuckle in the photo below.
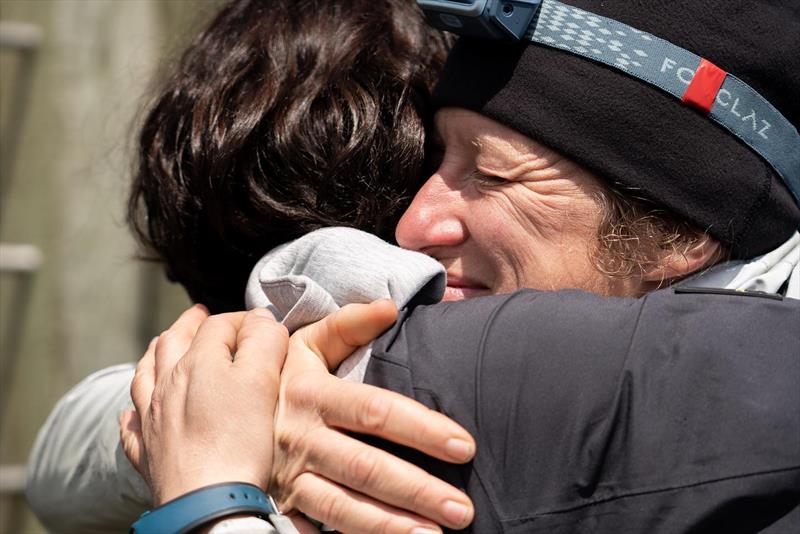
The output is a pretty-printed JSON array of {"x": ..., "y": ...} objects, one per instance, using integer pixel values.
[
  {"x": 323, "y": 504},
  {"x": 269, "y": 323},
  {"x": 386, "y": 525},
  {"x": 155, "y": 406},
  {"x": 134, "y": 389},
  {"x": 300, "y": 391},
  {"x": 419, "y": 497},
  {"x": 262, "y": 336},
  {"x": 181, "y": 371},
  {"x": 280, "y": 327},
  {"x": 293, "y": 493},
  {"x": 170, "y": 343},
  {"x": 361, "y": 469},
  {"x": 141, "y": 368},
  {"x": 331, "y": 508},
  {"x": 167, "y": 338},
  {"x": 215, "y": 321},
  {"x": 137, "y": 377},
  {"x": 137, "y": 383},
  {"x": 152, "y": 346},
  {"x": 280, "y": 332},
  {"x": 375, "y": 414}
]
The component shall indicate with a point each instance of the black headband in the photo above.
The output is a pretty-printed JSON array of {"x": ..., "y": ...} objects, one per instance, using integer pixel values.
[{"x": 637, "y": 136}]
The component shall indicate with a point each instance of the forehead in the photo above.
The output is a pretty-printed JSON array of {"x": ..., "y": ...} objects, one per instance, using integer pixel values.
[
  {"x": 489, "y": 141},
  {"x": 464, "y": 126}
]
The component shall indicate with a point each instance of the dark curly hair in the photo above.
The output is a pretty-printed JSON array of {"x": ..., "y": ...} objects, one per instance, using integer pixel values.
[{"x": 282, "y": 117}]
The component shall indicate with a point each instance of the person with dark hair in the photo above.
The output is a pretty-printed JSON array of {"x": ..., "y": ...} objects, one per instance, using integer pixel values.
[
  {"x": 521, "y": 199},
  {"x": 283, "y": 117}
]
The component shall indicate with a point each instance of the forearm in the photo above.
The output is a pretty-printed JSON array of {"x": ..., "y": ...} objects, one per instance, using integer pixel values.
[
  {"x": 79, "y": 479},
  {"x": 633, "y": 407}
]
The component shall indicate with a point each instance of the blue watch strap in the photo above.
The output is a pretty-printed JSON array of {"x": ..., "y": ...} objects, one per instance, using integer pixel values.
[{"x": 198, "y": 507}]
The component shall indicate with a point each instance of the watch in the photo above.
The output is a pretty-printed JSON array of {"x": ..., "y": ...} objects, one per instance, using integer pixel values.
[{"x": 189, "y": 511}]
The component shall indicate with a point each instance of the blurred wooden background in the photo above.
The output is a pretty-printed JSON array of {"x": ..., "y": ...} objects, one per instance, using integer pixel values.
[{"x": 65, "y": 170}]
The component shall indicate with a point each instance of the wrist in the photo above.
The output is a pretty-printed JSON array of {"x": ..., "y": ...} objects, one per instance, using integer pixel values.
[
  {"x": 203, "y": 506},
  {"x": 180, "y": 486}
]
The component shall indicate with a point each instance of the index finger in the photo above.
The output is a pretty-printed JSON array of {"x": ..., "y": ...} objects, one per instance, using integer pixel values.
[
  {"x": 378, "y": 412},
  {"x": 217, "y": 336},
  {"x": 261, "y": 343},
  {"x": 175, "y": 341}
]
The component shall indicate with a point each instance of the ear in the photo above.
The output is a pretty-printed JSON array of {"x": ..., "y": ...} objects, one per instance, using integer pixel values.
[{"x": 677, "y": 264}]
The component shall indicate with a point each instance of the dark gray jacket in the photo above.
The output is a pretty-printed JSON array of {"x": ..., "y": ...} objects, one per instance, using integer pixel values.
[{"x": 670, "y": 413}]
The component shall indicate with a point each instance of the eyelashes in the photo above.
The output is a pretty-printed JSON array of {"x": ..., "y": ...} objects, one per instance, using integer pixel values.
[
  {"x": 435, "y": 157},
  {"x": 487, "y": 180}
]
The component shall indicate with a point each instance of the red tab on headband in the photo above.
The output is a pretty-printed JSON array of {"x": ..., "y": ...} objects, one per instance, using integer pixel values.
[{"x": 705, "y": 86}]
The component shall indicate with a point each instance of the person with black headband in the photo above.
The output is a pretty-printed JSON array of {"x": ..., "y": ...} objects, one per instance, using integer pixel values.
[
  {"x": 635, "y": 419},
  {"x": 615, "y": 424},
  {"x": 690, "y": 106}
]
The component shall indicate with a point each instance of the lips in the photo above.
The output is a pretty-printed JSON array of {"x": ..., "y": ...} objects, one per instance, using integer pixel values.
[{"x": 460, "y": 288}]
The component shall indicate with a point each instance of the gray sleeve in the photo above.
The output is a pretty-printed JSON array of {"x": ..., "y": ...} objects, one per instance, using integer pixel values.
[
  {"x": 649, "y": 415},
  {"x": 79, "y": 479}
]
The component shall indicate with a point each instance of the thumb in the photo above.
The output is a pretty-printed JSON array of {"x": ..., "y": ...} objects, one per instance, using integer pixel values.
[{"x": 336, "y": 336}]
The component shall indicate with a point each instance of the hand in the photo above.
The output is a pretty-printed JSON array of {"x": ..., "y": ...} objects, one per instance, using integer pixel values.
[
  {"x": 338, "y": 480},
  {"x": 205, "y": 395}
]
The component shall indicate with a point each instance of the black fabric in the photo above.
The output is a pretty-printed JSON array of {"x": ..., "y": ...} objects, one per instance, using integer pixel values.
[
  {"x": 686, "y": 419},
  {"x": 633, "y": 134}
]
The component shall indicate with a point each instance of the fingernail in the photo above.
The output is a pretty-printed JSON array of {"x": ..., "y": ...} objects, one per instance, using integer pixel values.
[
  {"x": 423, "y": 530},
  {"x": 455, "y": 512},
  {"x": 459, "y": 449},
  {"x": 263, "y": 312}
]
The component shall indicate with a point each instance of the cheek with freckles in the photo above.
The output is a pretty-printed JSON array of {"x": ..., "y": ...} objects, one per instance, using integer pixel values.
[
  {"x": 541, "y": 241},
  {"x": 521, "y": 214}
]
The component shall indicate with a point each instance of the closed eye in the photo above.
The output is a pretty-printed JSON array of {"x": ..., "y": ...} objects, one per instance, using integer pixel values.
[{"x": 487, "y": 180}]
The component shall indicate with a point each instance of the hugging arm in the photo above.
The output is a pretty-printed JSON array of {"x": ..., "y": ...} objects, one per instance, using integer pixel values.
[
  {"x": 595, "y": 410},
  {"x": 108, "y": 494},
  {"x": 205, "y": 422},
  {"x": 79, "y": 479},
  {"x": 661, "y": 414}
]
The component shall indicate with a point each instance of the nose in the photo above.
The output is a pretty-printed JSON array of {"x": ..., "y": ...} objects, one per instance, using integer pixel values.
[{"x": 434, "y": 218}]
